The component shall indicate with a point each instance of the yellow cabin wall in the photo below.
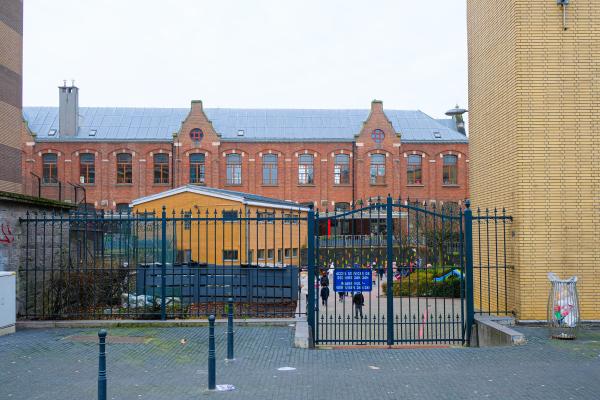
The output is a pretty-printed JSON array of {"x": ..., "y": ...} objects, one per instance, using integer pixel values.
[{"x": 204, "y": 239}]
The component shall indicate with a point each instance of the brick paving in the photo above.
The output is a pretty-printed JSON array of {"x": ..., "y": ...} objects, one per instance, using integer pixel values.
[{"x": 61, "y": 364}]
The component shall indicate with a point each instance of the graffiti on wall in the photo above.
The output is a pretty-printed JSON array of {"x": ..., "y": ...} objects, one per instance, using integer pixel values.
[{"x": 6, "y": 235}]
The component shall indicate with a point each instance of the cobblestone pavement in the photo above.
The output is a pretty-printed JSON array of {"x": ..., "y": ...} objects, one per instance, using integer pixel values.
[{"x": 61, "y": 364}]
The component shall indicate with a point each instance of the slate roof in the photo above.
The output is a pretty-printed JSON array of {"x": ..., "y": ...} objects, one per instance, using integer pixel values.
[{"x": 159, "y": 124}]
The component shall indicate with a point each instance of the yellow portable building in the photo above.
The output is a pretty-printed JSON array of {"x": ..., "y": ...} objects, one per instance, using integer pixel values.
[{"x": 224, "y": 227}]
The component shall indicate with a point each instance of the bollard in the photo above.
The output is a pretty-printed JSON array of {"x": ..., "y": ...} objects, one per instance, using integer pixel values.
[
  {"x": 102, "y": 365},
  {"x": 230, "y": 329},
  {"x": 211, "y": 353}
]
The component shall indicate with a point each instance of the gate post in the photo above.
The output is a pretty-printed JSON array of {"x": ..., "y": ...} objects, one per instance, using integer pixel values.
[
  {"x": 468, "y": 216},
  {"x": 390, "y": 273},
  {"x": 163, "y": 267},
  {"x": 310, "y": 280}
]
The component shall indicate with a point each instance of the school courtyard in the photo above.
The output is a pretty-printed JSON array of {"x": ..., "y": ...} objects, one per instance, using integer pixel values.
[{"x": 160, "y": 363}]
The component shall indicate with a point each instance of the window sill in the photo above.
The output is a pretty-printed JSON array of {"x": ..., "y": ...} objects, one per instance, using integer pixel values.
[
  {"x": 123, "y": 184},
  {"x": 450, "y": 185},
  {"x": 233, "y": 184},
  {"x": 198, "y": 183},
  {"x": 161, "y": 184},
  {"x": 306, "y": 185},
  {"x": 415, "y": 185},
  {"x": 50, "y": 184},
  {"x": 88, "y": 184},
  {"x": 270, "y": 185},
  {"x": 378, "y": 184},
  {"x": 342, "y": 185}
]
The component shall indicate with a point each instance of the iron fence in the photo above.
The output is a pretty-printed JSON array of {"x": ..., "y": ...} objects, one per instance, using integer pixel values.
[
  {"x": 492, "y": 262},
  {"x": 414, "y": 257},
  {"x": 185, "y": 264}
]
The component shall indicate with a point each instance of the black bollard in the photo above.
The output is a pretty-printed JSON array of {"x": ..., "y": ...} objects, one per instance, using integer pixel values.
[
  {"x": 102, "y": 365},
  {"x": 230, "y": 329},
  {"x": 211, "y": 353}
]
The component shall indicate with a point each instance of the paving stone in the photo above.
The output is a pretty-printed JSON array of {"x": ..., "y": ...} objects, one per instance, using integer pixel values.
[{"x": 171, "y": 363}]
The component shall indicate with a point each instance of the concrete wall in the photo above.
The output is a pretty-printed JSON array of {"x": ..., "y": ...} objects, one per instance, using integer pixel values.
[
  {"x": 534, "y": 143},
  {"x": 13, "y": 235}
]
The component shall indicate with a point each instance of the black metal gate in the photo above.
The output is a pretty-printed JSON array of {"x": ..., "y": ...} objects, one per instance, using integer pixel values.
[{"x": 391, "y": 273}]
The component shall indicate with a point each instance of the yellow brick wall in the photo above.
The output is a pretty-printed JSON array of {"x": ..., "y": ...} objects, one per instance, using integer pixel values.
[
  {"x": 534, "y": 140},
  {"x": 11, "y": 68}
]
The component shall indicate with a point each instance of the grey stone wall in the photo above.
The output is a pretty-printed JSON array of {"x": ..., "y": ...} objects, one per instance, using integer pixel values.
[{"x": 17, "y": 249}]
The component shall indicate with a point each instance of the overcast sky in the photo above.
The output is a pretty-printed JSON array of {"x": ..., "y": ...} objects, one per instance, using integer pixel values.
[{"x": 248, "y": 53}]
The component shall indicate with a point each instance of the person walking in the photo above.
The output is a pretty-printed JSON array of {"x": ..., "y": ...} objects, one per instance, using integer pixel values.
[
  {"x": 324, "y": 295},
  {"x": 359, "y": 301},
  {"x": 324, "y": 279}
]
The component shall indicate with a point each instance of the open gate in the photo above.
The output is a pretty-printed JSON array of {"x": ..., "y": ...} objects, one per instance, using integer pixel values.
[{"x": 409, "y": 265}]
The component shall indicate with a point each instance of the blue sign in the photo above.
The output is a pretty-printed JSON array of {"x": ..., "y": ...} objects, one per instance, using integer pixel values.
[{"x": 352, "y": 280}]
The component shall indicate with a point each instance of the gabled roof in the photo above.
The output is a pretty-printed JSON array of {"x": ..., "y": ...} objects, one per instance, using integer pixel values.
[
  {"x": 242, "y": 197},
  {"x": 159, "y": 124}
]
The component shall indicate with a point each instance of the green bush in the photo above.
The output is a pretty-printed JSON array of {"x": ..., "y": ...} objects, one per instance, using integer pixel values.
[{"x": 421, "y": 284}]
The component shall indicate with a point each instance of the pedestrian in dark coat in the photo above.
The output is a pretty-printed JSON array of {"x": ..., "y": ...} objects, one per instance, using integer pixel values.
[
  {"x": 359, "y": 301},
  {"x": 324, "y": 295}
]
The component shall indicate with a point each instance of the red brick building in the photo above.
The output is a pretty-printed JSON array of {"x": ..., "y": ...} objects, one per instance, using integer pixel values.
[{"x": 330, "y": 158}]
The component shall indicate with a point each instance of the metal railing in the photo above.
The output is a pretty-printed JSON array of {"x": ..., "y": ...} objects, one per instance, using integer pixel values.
[
  {"x": 95, "y": 265},
  {"x": 492, "y": 262}
]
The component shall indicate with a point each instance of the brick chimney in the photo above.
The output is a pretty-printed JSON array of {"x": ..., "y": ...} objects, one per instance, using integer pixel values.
[{"x": 377, "y": 106}]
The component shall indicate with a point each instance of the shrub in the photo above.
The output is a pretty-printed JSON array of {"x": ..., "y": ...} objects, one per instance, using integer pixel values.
[
  {"x": 421, "y": 284},
  {"x": 73, "y": 292}
]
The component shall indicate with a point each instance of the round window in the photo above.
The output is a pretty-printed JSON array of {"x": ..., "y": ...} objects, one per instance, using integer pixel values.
[
  {"x": 196, "y": 134},
  {"x": 377, "y": 136}
]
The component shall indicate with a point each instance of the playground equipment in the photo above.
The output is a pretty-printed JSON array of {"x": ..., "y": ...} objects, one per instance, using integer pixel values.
[{"x": 454, "y": 272}]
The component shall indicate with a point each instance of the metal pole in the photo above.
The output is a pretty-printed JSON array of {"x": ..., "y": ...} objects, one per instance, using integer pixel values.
[
  {"x": 102, "y": 365},
  {"x": 230, "y": 329},
  {"x": 310, "y": 281},
  {"x": 211, "y": 353},
  {"x": 163, "y": 268},
  {"x": 390, "y": 273},
  {"x": 469, "y": 272}
]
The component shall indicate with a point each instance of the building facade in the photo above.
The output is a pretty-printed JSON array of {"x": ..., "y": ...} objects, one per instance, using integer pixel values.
[
  {"x": 534, "y": 120},
  {"x": 327, "y": 158},
  {"x": 11, "y": 70}
]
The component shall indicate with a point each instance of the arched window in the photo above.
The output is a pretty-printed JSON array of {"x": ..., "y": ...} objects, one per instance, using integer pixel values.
[
  {"x": 269, "y": 169},
  {"x": 50, "y": 168},
  {"x": 341, "y": 169},
  {"x": 124, "y": 168},
  {"x": 87, "y": 168},
  {"x": 161, "y": 168},
  {"x": 197, "y": 168},
  {"x": 377, "y": 169},
  {"x": 414, "y": 170},
  {"x": 450, "y": 173},
  {"x": 234, "y": 169},
  {"x": 306, "y": 169}
]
